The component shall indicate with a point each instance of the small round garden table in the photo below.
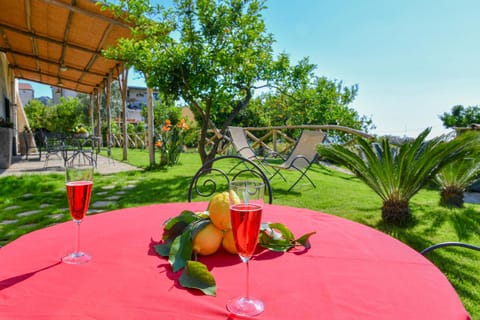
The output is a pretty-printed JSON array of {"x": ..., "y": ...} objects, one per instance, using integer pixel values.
[{"x": 350, "y": 272}]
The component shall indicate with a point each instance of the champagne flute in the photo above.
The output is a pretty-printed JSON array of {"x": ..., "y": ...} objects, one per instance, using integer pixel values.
[
  {"x": 79, "y": 178},
  {"x": 246, "y": 203}
]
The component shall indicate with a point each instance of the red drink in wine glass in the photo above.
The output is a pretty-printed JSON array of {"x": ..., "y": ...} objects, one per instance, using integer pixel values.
[
  {"x": 246, "y": 219},
  {"x": 246, "y": 203},
  {"x": 79, "y": 189},
  {"x": 78, "y": 194}
]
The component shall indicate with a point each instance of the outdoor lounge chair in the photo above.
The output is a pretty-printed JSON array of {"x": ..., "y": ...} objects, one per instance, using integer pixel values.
[
  {"x": 215, "y": 175},
  {"x": 239, "y": 141},
  {"x": 243, "y": 148},
  {"x": 303, "y": 155}
]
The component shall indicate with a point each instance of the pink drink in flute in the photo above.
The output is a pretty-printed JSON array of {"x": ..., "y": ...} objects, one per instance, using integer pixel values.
[
  {"x": 78, "y": 194},
  {"x": 246, "y": 219},
  {"x": 246, "y": 203},
  {"x": 79, "y": 189}
]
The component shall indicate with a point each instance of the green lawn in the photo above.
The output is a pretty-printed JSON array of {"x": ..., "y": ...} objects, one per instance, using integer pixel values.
[{"x": 336, "y": 193}]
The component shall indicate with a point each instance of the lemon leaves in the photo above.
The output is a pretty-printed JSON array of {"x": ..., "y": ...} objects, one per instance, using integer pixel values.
[
  {"x": 178, "y": 233},
  {"x": 277, "y": 237},
  {"x": 197, "y": 276}
]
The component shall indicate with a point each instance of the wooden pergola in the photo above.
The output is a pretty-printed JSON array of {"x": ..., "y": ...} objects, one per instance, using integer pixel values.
[{"x": 59, "y": 43}]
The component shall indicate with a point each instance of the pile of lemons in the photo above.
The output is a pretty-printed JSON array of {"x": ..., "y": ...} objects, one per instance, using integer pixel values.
[{"x": 218, "y": 232}]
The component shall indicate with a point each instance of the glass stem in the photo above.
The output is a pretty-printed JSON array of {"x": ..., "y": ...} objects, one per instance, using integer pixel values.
[
  {"x": 248, "y": 280},
  {"x": 77, "y": 237}
]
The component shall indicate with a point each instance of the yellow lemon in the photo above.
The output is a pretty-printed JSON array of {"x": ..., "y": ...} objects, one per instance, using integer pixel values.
[
  {"x": 208, "y": 240},
  {"x": 219, "y": 209},
  {"x": 228, "y": 243}
]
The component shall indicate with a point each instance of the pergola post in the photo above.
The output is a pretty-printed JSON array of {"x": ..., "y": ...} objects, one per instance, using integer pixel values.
[
  {"x": 151, "y": 142},
  {"x": 109, "y": 113},
  {"x": 13, "y": 111},
  {"x": 123, "y": 81},
  {"x": 93, "y": 96},
  {"x": 98, "y": 126}
]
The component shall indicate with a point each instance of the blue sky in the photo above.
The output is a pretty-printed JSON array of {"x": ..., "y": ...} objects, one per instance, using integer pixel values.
[{"x": 412, "y": 59}]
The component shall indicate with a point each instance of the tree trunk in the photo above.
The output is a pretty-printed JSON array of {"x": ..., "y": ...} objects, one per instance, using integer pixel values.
[
  {"x": 452, "y": 197},
  {"x": 396, "y": 212}
]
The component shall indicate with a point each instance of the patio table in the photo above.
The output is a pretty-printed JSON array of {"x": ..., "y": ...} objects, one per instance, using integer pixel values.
[
  {"x": 86, "y": 147},
  {"x": 350, "y": 272}
]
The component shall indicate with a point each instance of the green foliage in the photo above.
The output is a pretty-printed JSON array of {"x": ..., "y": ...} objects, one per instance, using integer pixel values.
[
  {"x": 170, "y": 141},
  {"x": 37, "y": 114},
  {"x": 213, "y": 56},
  {"x": 131, "y": 128},
  {"x": 455, "y": 178},
  {"x": 197, "y": 276},
  {"x": 459, "y": 174},
  {"x": 277, "y": 237},
  {"x": 165, "y": 109},
  {"x": 62, "y": 118},
  {"x": 461, "y": 116},
  {"x": 396, "y": 174},
  {"x": 320, "y": 102}
]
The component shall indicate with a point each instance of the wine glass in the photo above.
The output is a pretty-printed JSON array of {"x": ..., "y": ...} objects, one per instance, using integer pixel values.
[
  {"x": 246, "y": 203},
  {"x": 79, "y": 178}
]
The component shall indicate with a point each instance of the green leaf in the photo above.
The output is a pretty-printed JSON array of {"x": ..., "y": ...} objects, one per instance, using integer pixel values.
[
  {"x": 163, "y": 249},
  {"x": 305, "y": 240},
  {"x": 175, "y": 226},
  {"x": 196, "y": 226},
  {"x": 276, "y": 237},
  {"x": 180, "y": 251},
  {"x": 197, "y": 276},
  {"x": 286, "y": 233}
]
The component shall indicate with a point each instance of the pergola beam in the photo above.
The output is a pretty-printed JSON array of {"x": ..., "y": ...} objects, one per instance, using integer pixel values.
[
  {"x": 26, "y": 55},
  {"x": 95, "y": 56},
  {"x": 87, "y": 13},
  {"x": 48, "y": 39},
  {"x": 90, "y": 84}
]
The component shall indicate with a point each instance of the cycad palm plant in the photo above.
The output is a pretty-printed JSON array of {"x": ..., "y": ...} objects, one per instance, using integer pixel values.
[
  {"x": 397, "y": 173},
  {"x": 455, "y": 178}
]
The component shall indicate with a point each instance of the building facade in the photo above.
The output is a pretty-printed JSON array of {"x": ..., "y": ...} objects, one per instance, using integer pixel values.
[
  {"x": 26, "y": 92},
  {"x": 136, "y": 101},
  {"x": 58, "y": 92}
]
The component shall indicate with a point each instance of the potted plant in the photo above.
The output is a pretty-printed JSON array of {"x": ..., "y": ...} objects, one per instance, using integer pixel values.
[
  {"x": 6, "y": 141},
  {"x": 81, "y": 132}
]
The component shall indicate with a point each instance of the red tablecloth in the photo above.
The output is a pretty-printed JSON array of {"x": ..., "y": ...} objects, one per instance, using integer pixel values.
[{"x": 351, "y": 272}]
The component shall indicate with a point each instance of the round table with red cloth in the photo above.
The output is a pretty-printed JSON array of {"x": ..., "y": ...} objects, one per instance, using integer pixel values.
[{"x": 350, "y": 272}]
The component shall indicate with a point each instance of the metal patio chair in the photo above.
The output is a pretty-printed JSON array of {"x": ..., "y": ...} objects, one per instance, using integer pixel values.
[
  {"x": 215, "y": 175},
  {"x": 449, "y": 244},
  {"x": 32, "y": 141}
]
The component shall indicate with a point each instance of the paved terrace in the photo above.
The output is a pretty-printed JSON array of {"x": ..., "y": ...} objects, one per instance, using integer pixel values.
[{"x": 55, "y": 164}]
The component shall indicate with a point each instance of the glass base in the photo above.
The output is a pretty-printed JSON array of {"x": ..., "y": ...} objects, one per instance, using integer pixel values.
[
  {"x": 76, "y": 258},
  {"x": 245, "y": 307}
]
